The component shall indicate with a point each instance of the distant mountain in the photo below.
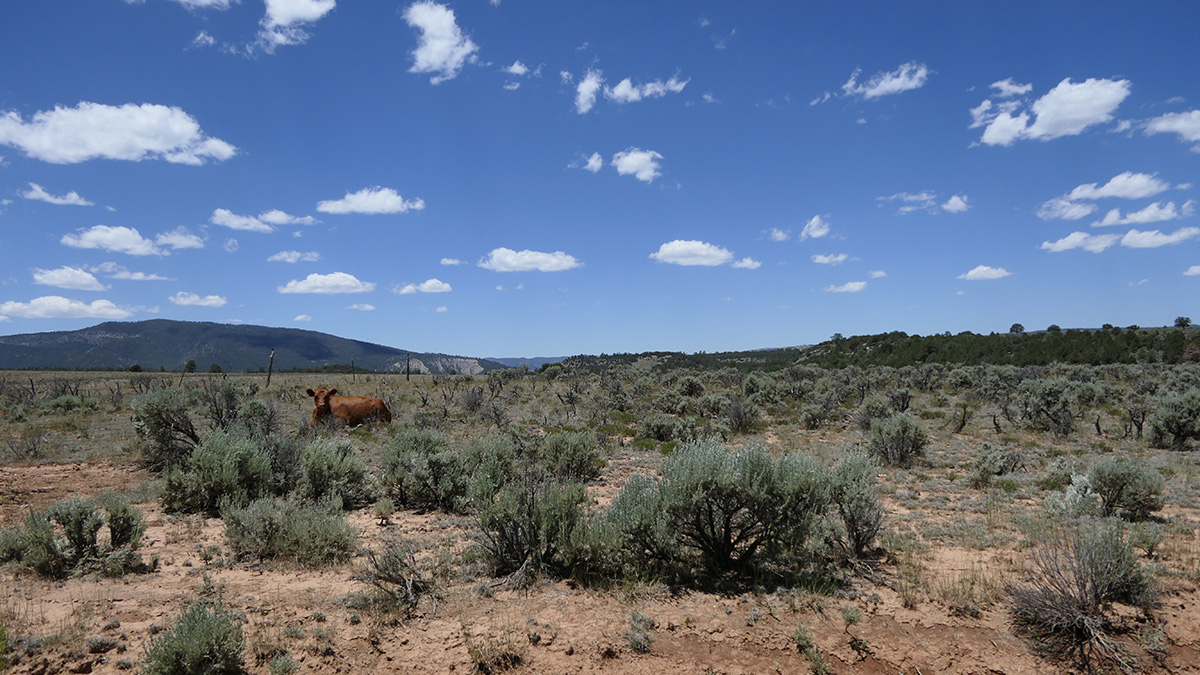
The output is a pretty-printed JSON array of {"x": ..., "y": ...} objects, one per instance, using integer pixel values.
[
  {"x": 234, "y": 347},
  {"x": 533, "y": 362}
]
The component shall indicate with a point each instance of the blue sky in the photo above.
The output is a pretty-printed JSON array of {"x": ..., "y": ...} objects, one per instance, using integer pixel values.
[{"x": 509, "y": 178}]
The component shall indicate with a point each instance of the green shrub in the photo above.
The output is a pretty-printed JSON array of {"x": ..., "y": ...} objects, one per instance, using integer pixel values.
[
  {"x": 164, "y": 427},
  {"x": 857, "y": 500},
  {"x": 1176, "y": 420},
  {"x": 204, "y": 641},
  {"x": 125, "y": 523},
  {"x": 659, "y": 426},
  {"x": 227, "y": 468},
  {"x": 419, "y": 470},
  {"x": 739, "y": 415},
  {"x": 897, "y": 440},
  {"x": 571, "y": 456},
  {"x": 74, "y": 547},
  {"x": 1074, "y": 580},
  {"x": 80, "y": 522},
  {"x": 872, "y": 408},
  {"x": 993, "y": 462},
  {"x": 334, "y": 469},
  {"x": 312, "y": 535},
  {"x": 396, "y": 578},
  {"x": 1126, "y": 488},
  {"x": 527, "y": 520},
  {"x": 70, "y": 403}
]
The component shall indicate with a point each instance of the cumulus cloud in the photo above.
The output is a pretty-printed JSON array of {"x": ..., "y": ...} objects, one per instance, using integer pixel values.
[
  {"x": 641, "y": 164},
  {"x": 1006, "y": 88},
  {"x": 1155, "y": 239},
  {"x": 295, "y": 257},
  {"x": 72, "y": 278},
  {"x": 302, "y": 317},
  {"x": 925, "y": 200},
  {"x": 277, "y": 217},
  {"x": 747, "y": 264},
  {"x": 207, "y": 4},
  {"x": 627, "y": 92},
  {"x": 374, "y": 200},
  {"x": 594, "y": 163},
  {"x": 285, "y": 21},
  {"x": 956, "y": 204},
  {"x": 830, "y": 259},
  {"x": 37, "y": 193},
  {"x": 985, "y": 273},
  {"x": 327, "y": 284},
  {"x": 517, "y": 68},
  {"x": 1094, "y": 243},
  {"x": 427, "y": 286},
  {"x": 112, "y": 239},
  {"x": 451, "y": 261},
  {"x": 1154, "y": 213},
  {"x": 508, "y": 260},
  {"x": 908, "y": 76},
  {"x": 876, "y": 274},
  {"x": 1128, "y": 185},
  {"x": 179, "y": 238},
  {"x": 58, "y": 307},
  {"x": 848, "y": 287},
  {"x": 227, "y": 218},
  {"x": 1066, "y": 110},
  {"x": 115, "y": 271},
  {"x": 816, "y": 228},
  {"x": 1186, "y": 125},
  {"x": 442, "y": 49},
  {"x": 1063, "y": 209},
  {"x": 691, "y": 252},
  {"x": 193, "y": 300},
  {"x": 1193, "y": 271},
  {"x": 586, "y": 90},
  {"x": 362, "y": 307},
  {"x": 776, "y": 234},
  {"x": 128, "y": 132}
]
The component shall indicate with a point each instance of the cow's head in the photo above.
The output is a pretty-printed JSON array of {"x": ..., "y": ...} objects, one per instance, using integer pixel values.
[{"x": 321, "y": 399}]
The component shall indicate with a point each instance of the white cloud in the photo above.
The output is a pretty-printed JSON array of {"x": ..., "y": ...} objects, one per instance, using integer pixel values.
[
  {"x": 179, "y": 238},
  {"x": 1155, "y": 239},
  {"x": 113, "y": 239},
  {"x": 231, "y": 245},
  {"x": 115, "y": 271},
  {"x": 1154, "y": 213},
  {"x": 227, "y": 218},
  {"x": 441, "y": 310},
  {"x": 1066, "y": 110},
  {"x": 282, "y": 24},
  {"x": 203, "y": 39},
  {"x": 848, "y": 287},
  {"x": 1128, "y": 185},
  {"x": 192, "y": 300},
  {"x": 816, "y": 228},
  {"x": 362, "y": 307},
  {"x": 96, "y": 131},
  {"x": 594, "y": 163},
  {"x": 1094, "y": 243},
  {"x": 517, "y": 68},
  {"x": 747, "y": 264},
  {"x": 586, "y": 90},
  {"x": 690, "y": 252},
  {"x": 1062, "y": 209},
  {"x": 1006, "y": 88},
  {"x": 295, "y": 257},
  {"x": 36, "y": 192},
  {"x": 277, "y": 217},
  {"x": 956, "y": 204},
  {"x": 508, "y": 260},
  {"x": 642, "y": 164},
  {"x": 427, "y": 286},
  {"x": 919, "y": 201},
  {"x": 451, "y": 261},
  {"x": 442, "y": 49},
  {"x": 207, "y": 4},
  {"x": 627, "y": 92},
  {"x": 58, "y": 307},
  {"x": 327, "y": 284},
  {"x": 830, "y": 259},
  {"x": 908, "y": 76},
  {"x": 302, "y": 317},
  {"x": 371, "y": 201},
  {"x": 876, "y": 274},
  {"x": 1185, "y": 124},
  {"x": 1193, "y": 271},
  {"x": 776, "y": 234},
  {"x": 985, "y": 273},
  {"x": 72, "y": 278}
]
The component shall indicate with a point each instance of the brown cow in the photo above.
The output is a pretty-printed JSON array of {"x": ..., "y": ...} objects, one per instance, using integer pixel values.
[{"x": 350, "y": 410}]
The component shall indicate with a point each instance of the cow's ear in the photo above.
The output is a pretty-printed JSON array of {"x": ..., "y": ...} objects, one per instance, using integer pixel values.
[
  {"x": 333, "y": 391},
  {"x": 311, "y": 392}
]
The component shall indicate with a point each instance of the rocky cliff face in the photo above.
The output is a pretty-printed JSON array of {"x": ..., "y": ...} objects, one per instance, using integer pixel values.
[{"x": 438, "y": 365}]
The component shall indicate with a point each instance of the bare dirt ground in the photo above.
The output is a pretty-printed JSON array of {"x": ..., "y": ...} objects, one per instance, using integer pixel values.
[{"x": 939, "y": 607}]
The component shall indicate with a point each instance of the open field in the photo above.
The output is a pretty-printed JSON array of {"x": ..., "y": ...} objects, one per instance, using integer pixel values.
[{"x": 968, "y": 517}]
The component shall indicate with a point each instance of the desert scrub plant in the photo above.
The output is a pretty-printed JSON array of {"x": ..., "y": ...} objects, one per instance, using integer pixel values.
[
  {"x": 638, "y": 632},
  {"x": 311, "y": 535},
  {"x": 334, "y": 469},
  {"x": 1076, "y": 577},
  {"x": 1176, "y": 420},
  {"x": 398, "y": 583},
  {"x": 227, "y": 468},
  {"x": 898, "y": 440},
  {"x": 493, "y": 654},
  {"x": 993, "y": 462},
  {"x": 419, "y": 469},
  {"x": 571, "y": 456},
  {"x": 74, "y": 546},
  {"x": 856, "y": 497},
  {"x": 164, "y": 427},
  {"x": 1126, "y": 488},
  {"x": 205, "y": 640}
]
